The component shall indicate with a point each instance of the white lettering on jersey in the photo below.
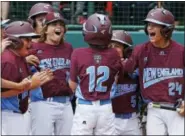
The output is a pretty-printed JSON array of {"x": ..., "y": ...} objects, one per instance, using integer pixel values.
[
  {"x": 125, "y": 88},
  {"x": 152, "y": 76},
  {"x": 55, "y": 63}
]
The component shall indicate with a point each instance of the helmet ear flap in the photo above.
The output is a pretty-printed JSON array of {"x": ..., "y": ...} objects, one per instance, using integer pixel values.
[
  {"x": 32, "y": 22},
  {"x": 167, "y": 31},
  {"x": 127, "y": 52}
]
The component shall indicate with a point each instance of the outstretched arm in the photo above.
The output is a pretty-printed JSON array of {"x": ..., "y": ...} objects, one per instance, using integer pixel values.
[{"x": 35, "y": 81}]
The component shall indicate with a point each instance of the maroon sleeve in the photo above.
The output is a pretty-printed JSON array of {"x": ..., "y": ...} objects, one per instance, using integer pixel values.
[
  {"x": 9, "y": 72},
  {"x": 132, "y": 62},
  {"x": 74, "y": 67}
]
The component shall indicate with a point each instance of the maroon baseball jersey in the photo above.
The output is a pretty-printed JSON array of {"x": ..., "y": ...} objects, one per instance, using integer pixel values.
[
  {"x": 94, "y": 71},
  {"x": 160, "y": 70},
  {"x": 14, "y": 68},
  {"x": 126, "y": 95},
  {"x": 58, "y": 59}
]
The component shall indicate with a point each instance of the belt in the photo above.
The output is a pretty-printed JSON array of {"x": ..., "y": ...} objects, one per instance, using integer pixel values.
[
  {"x": 97, "y": 102},
  {"x": 60, "y": 99},
  {"x": 126, "y": 115}
]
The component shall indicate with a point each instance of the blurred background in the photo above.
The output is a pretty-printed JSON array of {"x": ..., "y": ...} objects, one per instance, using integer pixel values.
[{"x": 126, "y": 15}]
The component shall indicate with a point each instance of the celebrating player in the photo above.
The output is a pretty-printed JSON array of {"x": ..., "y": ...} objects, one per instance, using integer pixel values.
[
  {"x": 51, "y": 110},
  {"x": 125, "y": 101},
  {"x": 14, "y": 68},
  {"x": 92, "y": 74},
  {"x": 160, "y": 63}
]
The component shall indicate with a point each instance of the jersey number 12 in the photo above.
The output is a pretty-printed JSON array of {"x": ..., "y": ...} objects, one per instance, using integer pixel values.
[{"x": 95, "y": 84}]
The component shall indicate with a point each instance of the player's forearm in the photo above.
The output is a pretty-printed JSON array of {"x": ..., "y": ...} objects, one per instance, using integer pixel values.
[
  {"x": 9, "y": 84},
  {"x": 10, "y": 93},
  {"x": 72, "y": 85}
]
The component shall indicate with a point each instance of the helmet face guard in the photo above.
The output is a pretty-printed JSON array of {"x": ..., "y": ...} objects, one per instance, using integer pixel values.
[{"x": 97, "y": 30}]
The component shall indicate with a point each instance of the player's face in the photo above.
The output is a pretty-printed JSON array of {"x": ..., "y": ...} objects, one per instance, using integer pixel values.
[
  {"x": 154, "y": 33},
  {"x": 39, "y": 20},
  {"x": 24, "y": 51},
  {"x": 55, "y": 32},
  {"x": 118, "y": 47}
]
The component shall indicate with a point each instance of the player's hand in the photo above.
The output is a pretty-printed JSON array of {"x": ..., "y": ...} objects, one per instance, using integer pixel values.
[
  {"x": 5, "y": 43},
  {"x": 181, "y": 111},
  {"x": 33, "y": 60},
  {"x": 25, "y": 84},
  {"x": 41, "y": 78}
]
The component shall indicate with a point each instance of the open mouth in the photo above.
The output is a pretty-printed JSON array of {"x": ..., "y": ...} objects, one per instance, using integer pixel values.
[
  {"x": 57, "y": 31},
  {"x": 152, "y": 34}
]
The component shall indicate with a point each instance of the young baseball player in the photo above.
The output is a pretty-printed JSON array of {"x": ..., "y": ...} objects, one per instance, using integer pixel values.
[
  {"x": 14, "y": 68},
  {"x": 92, "y": 74},
  {"x": 51, "y": 110},
  {"x": 160, "y": 62},
  {"x": 25, "y": 83},
  {"x": 37, "y": 15},
  {"x": 125, "y": 101}
]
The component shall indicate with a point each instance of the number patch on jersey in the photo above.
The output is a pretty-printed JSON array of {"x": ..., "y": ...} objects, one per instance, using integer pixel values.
[
  {"x": 174, "y": 87},
  {"x": 95, "y": 84}
]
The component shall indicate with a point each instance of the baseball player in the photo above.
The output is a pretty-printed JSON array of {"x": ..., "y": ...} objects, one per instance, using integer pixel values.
[
  {"x": 125, "y": 101},
  {"x": 37, "y": 15},
  {"x": 14, "y": 68},
  {"x": 160, "y": 63},
  {"x": 51, "y": 110},
  {"x": 25, "y": 83},
  {"x": 92, "y": 74}
]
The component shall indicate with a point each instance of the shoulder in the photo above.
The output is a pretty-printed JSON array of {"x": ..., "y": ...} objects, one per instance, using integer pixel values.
[
  {"x": 35, "y": 44},
  {"x": 112, "y": 51},
  {"x": 80, "y": 50},
  {"x": 138, "y": 49},
  {"x": 8, "y": 57},
  {"x": 177, "y": 45},
  {"x": 68, "y": 45}
]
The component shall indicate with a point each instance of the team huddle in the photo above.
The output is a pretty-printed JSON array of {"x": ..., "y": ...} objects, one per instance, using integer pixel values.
[{"x": 111, "y": 81}]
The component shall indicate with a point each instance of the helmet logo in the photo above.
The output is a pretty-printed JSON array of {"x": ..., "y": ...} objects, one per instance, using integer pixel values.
[
  {"x": 153, "y": 13},
  {"x": 125, "y": 32},
  {"x": 101, "y": 18},
  {"x": 114, "y": 34},
  {"x": 46, "y": 6},
  {"x": 21, "y": 23},
  {"x": 95, "y": 28},
  {"x": 164, "y": 12},
  {"x": 56, "y": 14}
]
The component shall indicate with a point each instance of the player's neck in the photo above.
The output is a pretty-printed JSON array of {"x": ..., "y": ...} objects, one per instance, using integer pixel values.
[{"x": 162, "y": 43}]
